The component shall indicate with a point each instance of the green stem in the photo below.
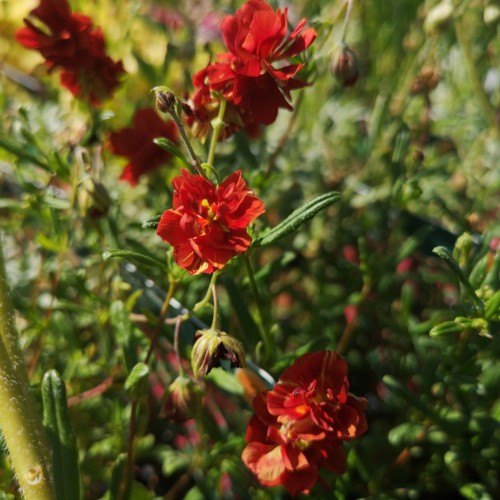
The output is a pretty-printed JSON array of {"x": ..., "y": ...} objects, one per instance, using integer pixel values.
[
  {"x": 20, "y": 421},
  {"x": 483, "y": 101},
  {"x": 195, "y": 161},
  {"x": 346, "y": 19},
  {"x": 161, "y": 319},
  {"x": 176, "y": 344},
  {"x": 218, "y": 125},
  {"x": 214, "y": 301},
  {"x": 205, "y": 300},
  {"x": 264, "y": 329}
]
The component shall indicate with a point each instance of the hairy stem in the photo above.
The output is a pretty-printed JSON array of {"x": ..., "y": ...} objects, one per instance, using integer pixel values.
[{"x": 20, "y": 422}]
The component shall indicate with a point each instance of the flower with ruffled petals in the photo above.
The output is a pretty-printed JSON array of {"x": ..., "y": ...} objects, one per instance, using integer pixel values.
[
  {"x": 257, "y": 37},
  {"x": 254, "y": 76},
  {"x": 136, "y": 143},
  {"x": 299, "y": 425},
  {"x": 70, "y": 42},
  {"x": 207, "y": 225},
  {"x": 315, "y": 389}
]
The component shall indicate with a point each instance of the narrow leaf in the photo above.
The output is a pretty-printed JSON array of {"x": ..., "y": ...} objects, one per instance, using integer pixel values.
[
  {"x": 297, "y": 218},
  {"x": 21, "y": 152},
  {"x": 445, "y": 254},
  {"x": 135, "y": 256},
  {"x": 136, "y": 382},
  {"x": 58, "y": 426},
  {"x": 171, "y": 148},
  {"x": 152, "y": 222}
]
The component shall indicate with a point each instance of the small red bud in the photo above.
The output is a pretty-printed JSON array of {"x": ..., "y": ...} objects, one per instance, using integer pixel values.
[{"x": 345, "y": 67}]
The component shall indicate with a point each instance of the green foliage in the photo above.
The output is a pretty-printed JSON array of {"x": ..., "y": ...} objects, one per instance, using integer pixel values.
[
  {"x": 398, "y": 265},
  {"x": 57, "y": 423}
]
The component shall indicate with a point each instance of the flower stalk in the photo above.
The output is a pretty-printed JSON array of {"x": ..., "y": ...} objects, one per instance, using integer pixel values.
[
  {"x": 166, "y": 102},
  {"x": 217, "y": 125},
  {"x": 20, "y": 422}
]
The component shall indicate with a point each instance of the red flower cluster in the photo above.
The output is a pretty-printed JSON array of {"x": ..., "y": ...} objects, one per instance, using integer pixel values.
[
  {"x": 207, "y": 225},
  {"x": 136, "y": 143},
  {"x": 299, "y": 426},
  {"x": 74, "y": 45},
  {"x": 254, "y": 75}
]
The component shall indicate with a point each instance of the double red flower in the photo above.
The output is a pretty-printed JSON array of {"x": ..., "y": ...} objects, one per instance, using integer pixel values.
[
  {"x": 136, "y": 143},
  {"x": 254, "y": 76},
  {"x": 208, "y": 224},
  {"x": 299, "y": 426},
  {"x": 70, "y": 42}
]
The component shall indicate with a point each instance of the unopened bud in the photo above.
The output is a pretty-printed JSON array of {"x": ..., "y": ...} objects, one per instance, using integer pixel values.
[
  {"x": 93, "y": 198},
  {"x": 165, "y": 101},
  {"x": 184, "y": 398},
  {"x": 410, "y": 190},
  {"x": 211, "y": 347},
  {"x": 345, "y": 67},
  {"x": 463, "y": 248},
  {"x": 425, "y": 81}
]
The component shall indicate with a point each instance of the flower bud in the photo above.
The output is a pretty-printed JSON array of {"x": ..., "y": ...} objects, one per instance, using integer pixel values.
[
  {"x": 184, "y": 398},
  {"x": 425, "y": 81},
  {"x": 210, "y": 347},
  {"x": 93, "y": 198},
  {"x": 345, "y": 67},
  {"x": 463, "y": 249},
  {"x": 165, "y": 101}
]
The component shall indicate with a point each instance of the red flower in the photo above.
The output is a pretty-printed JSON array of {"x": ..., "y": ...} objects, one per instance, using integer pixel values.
[
  {"x": 257, "y": 37},
  {"x": 247, "y": 76},
  {"x": 299, "y": 426},
  {"x": 207, "y": 225},
  {"x": 74, "y": 45},
  {"x": 136, "y": 143}
]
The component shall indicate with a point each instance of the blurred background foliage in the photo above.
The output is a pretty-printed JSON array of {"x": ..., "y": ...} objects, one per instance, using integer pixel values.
[{"x": 413, "y": 147}]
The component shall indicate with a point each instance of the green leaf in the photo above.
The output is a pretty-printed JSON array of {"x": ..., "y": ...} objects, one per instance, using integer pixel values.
[
  {"x": 225, "y": 381},
  {"x": 58, "y": 426},
  {"x": 171, "y": 148},
  {"x": 137, "y": 380},
  {"x": 124, "y": 330},
  {"x": 445, "y": 254},
  {"x": 146, "y": 69},
  {"x": 445, "y": 328},
  {"x": 52, "y": 245},
  {"x": 117, "y": 476},
  {"x": 249, "y": 329},
  {"x": 475, "y": 491},
  {"x": 134, "y": 256},
  {"x": 21, "y": 152},
  {"x": 152, "y": 222},
  {"x": 492, "y": 305},
  {"x": 174, "y": 461},
  {"x": 297, "y": 218},
  {"x": 400, "y": 390},
  {"x": 404, "y": 434}
]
